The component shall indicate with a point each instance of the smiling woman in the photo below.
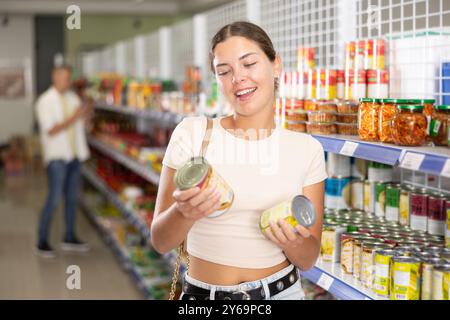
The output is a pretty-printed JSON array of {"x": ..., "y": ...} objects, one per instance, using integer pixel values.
[{"x": 230, "y": 258}]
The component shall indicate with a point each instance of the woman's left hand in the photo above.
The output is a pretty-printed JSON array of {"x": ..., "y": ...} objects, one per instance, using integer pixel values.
[{"x": 284, "y": 236}]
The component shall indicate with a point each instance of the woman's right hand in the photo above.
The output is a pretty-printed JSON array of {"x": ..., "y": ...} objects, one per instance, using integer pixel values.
[{"x": 195, "y": 204}]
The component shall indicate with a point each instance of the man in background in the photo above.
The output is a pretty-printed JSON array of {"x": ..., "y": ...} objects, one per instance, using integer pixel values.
[{"x": 61, "y": 119}]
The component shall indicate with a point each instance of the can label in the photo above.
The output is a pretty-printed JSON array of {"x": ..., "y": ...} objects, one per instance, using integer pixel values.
[
  {"x": 445, "y": 285},
  {"x": 357, "y": 199},
  {"x": 382, "y": 275},
  {"x": 369, "y": 196},
  {"x": 436, "y": 215},
  {"x": 331, "y": 245},
  {"x": 357, "y": 260},
  {"x": 226, "y": 193},
  {"x": 404, "y": 208},
  {"x": 367, "y": 267},
  {"x": 374, "y": 54},
  {"x": 380, "y": 199},
  {"x": 280, "y": 211},
  {"x": 447, "y": 229},
  {"x": 427, "y": 281},
  {"x": 347, "y": 255},
  {"x": 406, "y": 279},
  {"x": 337, "y": 193},
  {"x": 438, "y": 278},
  {"x": 419, "y": 211},
  {"x": 392, "y": 204}
]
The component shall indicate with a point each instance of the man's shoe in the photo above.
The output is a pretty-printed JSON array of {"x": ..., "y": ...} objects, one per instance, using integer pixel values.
[
  {"x": 44, "y": 250},
  {"x": 75, "y": 245}
]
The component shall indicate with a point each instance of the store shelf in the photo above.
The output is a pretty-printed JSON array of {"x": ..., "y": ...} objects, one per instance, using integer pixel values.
[
  {"x": 128, "y": 162},
  {"x": 118, "y": 250},
  {"x": 163, "y": 117},
  {"x": 432, "y": 160},
  {"x": 132, "y": 218},
  {"x": 343, "y": 286}
]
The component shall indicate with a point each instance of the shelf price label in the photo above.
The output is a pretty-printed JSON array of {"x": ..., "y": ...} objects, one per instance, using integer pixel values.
[
  {"x": 412, "y": 160},
  {"x": 325, "y": 281},
  {"x": 349, "y": 148},
  {"x": 446, "y": 169}
]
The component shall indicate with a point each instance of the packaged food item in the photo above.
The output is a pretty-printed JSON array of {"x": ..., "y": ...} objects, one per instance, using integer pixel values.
[
  {"x": 419, "y": 209},
  {"x": 368, "y": 119},
  {"x": 436, "y": 214},
  {"x": 382, "y": 278},
  {"x": 357, "y": 253},
  {"x": 440, "y": 272},
  {"x": 357, "y": 190},
  {"x": 355, "y": 84},
  {"x": 321, "y": 128},
  {"x": 331, "y": 242},
  {"x": 340, "y": 84},
  {"x": 380, "y": 199},
  {"x": 338, "y": 165},
  {"x": 347, "y": 106},
  {"x": 388, "y": 110},
  {"x": 405, "y": 278},
  {"x": 379, "y": 172},
  {"x": 439, "y": 125},
  {"x": 374, "y": 54},
  {"x": 347, "y": 242},
  {"x": 311, "y": 87},
  {"x": 321, "y": 116},
  {"x": 360, "y": 54},
  {"x": 428, "y": 105},
  {"x": 393, "y": 201},
  {"x": 368, "y": 262},
  {"x": 295, "y": 110},
  {"x": 447, "y": 228},
  {"x": 378, "y": 83},
  {"x": 369, "y": 196},
  {"x": 350, "y": 118},
  {"x": 310, "y": 104},
  {"x": 349, "y": 129},
  {"x": 298, "y": 210},
  {"x": 305, "y": 58},
  {"x": 404, "y": 204},
  {"x": 299, "y": 126},
  {"x": 326, "y": 105},
  {"x": 409, "y": 126},
  {"x": 326, "y": 84},
  {"x": 337, "y": 192},
  {"x": 428, "y": 265},
  {"x": 199, "y": 173},
  {"x": 350, "y": 51}
]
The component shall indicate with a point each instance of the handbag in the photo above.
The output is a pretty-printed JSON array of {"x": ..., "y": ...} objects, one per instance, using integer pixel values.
[{"x": 182, "y": 248}]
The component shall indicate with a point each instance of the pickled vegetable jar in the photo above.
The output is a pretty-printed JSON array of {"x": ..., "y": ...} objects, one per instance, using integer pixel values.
[
  {"x": 368, "y": 119},
  {"x": 409, "y": 125},
  {"x": 386, "y": 114},
  {"x": 428, "y": 105},
  {"x": 439, "y": 125}
]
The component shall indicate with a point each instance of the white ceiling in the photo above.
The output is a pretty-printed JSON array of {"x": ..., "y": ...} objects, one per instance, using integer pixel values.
[{"x": 116, "y": 7}]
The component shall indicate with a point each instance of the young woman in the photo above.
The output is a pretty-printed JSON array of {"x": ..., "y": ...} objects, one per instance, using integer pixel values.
[{"x": 230, "y": 258}]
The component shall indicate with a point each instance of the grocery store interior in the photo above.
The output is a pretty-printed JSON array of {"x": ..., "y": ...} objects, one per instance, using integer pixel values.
[{"x": 369, "y": 79}]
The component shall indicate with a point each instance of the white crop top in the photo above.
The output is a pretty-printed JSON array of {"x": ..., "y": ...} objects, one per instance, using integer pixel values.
[{"x": 261, "y": 173}]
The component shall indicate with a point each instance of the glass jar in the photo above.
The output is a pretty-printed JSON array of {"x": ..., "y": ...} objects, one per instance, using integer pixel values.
[
  {"x": 409, "y": 127},
  {"x": 439, "y": 125},
  {"x": 387, "y": 112},
  {"x": 368, "y": 119},
  {"x": 428, "y": 105}
]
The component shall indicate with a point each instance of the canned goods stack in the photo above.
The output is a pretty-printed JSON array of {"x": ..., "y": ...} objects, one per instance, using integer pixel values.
[{"x": 394, "y": 261}]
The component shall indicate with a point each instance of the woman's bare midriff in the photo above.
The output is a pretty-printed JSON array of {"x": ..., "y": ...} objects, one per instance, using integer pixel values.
[{"x": 219, "y": 274}]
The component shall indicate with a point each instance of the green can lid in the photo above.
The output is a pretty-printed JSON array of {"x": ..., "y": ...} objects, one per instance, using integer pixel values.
[
  {"x": 303, "y": 211},
  {"x": 367, "y": 100},
  {"x": 395, "y": 101},
  {"x": 412, "y": 107},
  {"x": 421, "y": 101},
  {"x": 189, "y": 175},
  {"x": 442, "y": 107}
]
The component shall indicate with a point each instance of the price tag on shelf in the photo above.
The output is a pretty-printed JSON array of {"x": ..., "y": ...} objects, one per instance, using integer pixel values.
[
  {"x": 412, "y": 160},
  {"x": 325, "y": 281},
  {"x": 349, "y": 148},
  {"x": 446, "y": 169}
]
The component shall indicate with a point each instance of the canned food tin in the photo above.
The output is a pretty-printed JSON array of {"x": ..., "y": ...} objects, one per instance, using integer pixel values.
[
  {"x": 357, "y": 190},
  {"x": 369, "y": 196},
  {"x": 337, "y": 192},
  {"x": 331, "y": 242},
  {"x": 368, "y": 261},
  {"x": 199, "y": 173},
  {"x": 338, "y": 165},
  {"x": 405, "y": 278},
  {"x": 428, "y": 265},
  {"x": 298, "y": 210},
  {"x": 419, "y": 209},
  {"x": 379, "y": 172},
  {"x": 447, "y": 227},
  {"x": 347, "y": 239},
  {"x": 445, "y": 256},
  {"x": 407, "y": 251},
  {"x": 380, "y": 199},
  {"x": 382, "y": 279},
  {"x": 440, "y": 273},
  {"x": 436, "y": 214},
  {"x": 404, "y": 208},
  {"x": 392, "y": 202},
  {"x": 357, "y": 251}
]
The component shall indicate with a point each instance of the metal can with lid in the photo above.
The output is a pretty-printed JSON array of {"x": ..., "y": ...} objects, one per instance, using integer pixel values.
[
  {"x": 298, "y": 210},
  {"x": 428, "y": 265},
  {"x": 347, "y": 241},
  {"x": 331, "y": 242},
  {"x": 404, "y": 207},
  {"x": 436, "y": 214},
  {"x": 380, "y": 199},
  {"x": 337, "y": 192},
  {"x": 419, "y": 209},
  {"x": 382, "y": 278},
  {"x": 440, "y": 274},
  {"x": 199, "y": 173},
  {"x": 393, "y": 201},
  {"x": 357, "y": 190},
  {"x": 405, "y": 278},
  {"x": 369, "y": 196},
  {"x": 368, "y": 261},
  {"x": 357, "y": 252}
]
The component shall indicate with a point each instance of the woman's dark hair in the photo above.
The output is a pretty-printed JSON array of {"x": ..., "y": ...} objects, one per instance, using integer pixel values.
[{"x": 247, "y": 30}]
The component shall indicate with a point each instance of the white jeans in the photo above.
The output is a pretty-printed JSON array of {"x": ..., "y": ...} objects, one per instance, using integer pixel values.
[{"x": 294, "y": 292}]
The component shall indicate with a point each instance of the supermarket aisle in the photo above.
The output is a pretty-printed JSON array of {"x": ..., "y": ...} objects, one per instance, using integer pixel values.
[{"x": 24, "y": 275}]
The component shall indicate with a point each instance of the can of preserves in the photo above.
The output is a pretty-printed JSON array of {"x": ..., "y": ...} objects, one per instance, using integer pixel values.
[
  {"x": 305, "y": 58},
  {"x": 404, "y": 205},
  {"x": 357, "y": 252},
  {"x": 350, "y": 51},
  {"x": 379, "y": 172},
  {"x": 326, "y": 84},
  {"x": 439, "y": 273},
  {"x": 331, "y": 242},
  {"x": 393, "y": 201},
  {"x": 419, "y": 209},
  {"x": 199, "y": 173},
  {"x": 360, "y": 54},
  {"x": 374, "y": 54},
  {"x": 428, "y": 265},
  {"x": 337, "y": 192},
  {"x": 298, "y": 210},
  {"x": 369, "y": 196},
  {"x": 382, "y": 280},
  {"x": 436, "y": 214},
  {"x": 378, "y": 83},
  {"x": 355, "y": 84},
  {"x": 311, "y": 84},
  {"x": 347, "y": 241},
  {"x": 368, "y": 262},
  {"x": 405, "y": 278},
  {"x": 380, "y": 199},
  {"x": 340, "y": 84}
]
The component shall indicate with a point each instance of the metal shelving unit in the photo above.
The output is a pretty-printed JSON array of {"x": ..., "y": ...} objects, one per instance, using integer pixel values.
[{"x": 131, "y": 164}]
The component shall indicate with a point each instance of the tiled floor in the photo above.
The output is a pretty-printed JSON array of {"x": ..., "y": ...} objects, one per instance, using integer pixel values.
[{"x": 24, "y": 275}]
